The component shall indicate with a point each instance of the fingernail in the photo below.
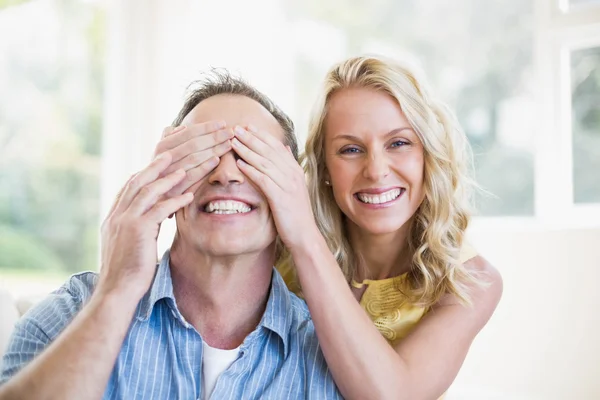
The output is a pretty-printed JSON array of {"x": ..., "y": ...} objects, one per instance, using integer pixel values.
[
  {"x": 168, "y": 131},
  {"x": 227, "y": 133},
  {"x": 235, "y": 142},
  {"x": 252, "y": 128},
  {"x": 161, "y": 157},
  {"x": 213, "y": 162},
  {"x": 221, "y": 124},
  {"x": 178, "y": 129},
  {"x": 241, "y": 131},
  {"x": 241, "y": 162}
]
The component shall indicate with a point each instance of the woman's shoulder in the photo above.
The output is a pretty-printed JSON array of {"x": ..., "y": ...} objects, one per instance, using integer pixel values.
[
  {"x": 486, "y": 288},
  {"x": 478, "y": 266},
  {"x": 467, "y": 252}
]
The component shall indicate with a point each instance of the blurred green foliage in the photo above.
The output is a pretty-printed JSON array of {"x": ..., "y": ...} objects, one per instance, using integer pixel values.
[
  {"x": 50, "y": 136},
  {"x": 19, "y": 250}
]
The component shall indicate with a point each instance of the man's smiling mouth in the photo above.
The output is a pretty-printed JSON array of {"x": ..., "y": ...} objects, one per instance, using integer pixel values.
[{"x": 227, "y": 207}]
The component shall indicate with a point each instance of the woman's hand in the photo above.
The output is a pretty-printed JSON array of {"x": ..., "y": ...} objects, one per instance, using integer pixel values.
[{"x": 272, "y": 167}]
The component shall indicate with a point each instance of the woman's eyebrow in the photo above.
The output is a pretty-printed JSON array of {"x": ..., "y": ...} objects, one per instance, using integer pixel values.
[{"x": 357, "y": 139}]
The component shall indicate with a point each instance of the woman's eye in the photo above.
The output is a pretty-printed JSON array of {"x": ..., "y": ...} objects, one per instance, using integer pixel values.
[
  {"x": 399, "y": 143},
  {"x": 349, "y": 150}
]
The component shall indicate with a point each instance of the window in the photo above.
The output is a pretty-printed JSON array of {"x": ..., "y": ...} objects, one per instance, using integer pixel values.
[
  {"x": 567, "y": 190},
  {"x": 578, "y": 4},
  {"x": 50, "y": 141},
  {"x": 585, "y": 100}
]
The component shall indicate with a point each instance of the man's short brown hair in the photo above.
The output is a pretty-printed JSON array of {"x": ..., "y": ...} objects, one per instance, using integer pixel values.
[{"x": 220, "y": 81}]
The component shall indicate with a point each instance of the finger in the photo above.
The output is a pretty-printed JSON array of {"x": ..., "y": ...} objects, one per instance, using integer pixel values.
[
  {"x": 161, "y": 210},
  {"x": 169, "y": 130},
  {"x": 151, "y": 193},
  {"x": 266, "y": 145},
  {"x": 263, "y": 164},
  {"x": 201, "y": 143},
  {"x": 266, "y": 137},
  {"x": 194, "y": 176},
  {"x": 141, "y": 179},
  {"x": 195, "y": 159},
  {"x": 188, "y": 132},
  {"x": 118, "y": 198},
  {"x": 253, "y": 142},
  {"x": 264, "y": 182}
]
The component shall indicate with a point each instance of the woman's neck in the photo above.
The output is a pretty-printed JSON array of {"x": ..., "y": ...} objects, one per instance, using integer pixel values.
[{"x": 379, "y": 256}]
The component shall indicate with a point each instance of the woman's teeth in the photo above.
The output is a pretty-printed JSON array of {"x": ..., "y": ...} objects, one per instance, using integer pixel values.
[
  {"x": 379, "y": 198},
  {"x": 227, "y": 207}
]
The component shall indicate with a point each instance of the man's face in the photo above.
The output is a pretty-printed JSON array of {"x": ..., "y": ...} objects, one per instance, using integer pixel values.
[{"x": 229, "y": 215}]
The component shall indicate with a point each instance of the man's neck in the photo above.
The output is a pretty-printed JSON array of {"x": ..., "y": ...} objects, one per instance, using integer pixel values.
[{"x": 224, "y": 298}]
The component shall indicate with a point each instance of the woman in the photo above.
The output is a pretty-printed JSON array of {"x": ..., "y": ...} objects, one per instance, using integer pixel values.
[{"x": 387, "y": 167}]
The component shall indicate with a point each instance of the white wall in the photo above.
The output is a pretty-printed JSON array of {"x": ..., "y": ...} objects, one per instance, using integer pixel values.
[{"x": 543, "y": 341}]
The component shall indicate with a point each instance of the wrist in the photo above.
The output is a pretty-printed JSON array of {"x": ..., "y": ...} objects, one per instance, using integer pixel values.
[
  {"x": 118, "y": 296},
  {"x": 310, "y": 243}
]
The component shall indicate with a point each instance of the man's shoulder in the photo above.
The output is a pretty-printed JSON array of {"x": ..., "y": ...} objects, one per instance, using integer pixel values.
[
  {"x": 44, "y": 322},
  {"x": 57, "y": 309},
  {"x": 304, "y": 344},
  {"x": 299, "y": 307},
  {"x": 81, "y": 284},
  {"x": 302, "y": 325},
  {"x": 77, "y": 289}
]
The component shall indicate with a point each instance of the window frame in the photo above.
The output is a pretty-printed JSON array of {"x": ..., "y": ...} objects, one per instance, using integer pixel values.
[{"x": 558, "y": 32}]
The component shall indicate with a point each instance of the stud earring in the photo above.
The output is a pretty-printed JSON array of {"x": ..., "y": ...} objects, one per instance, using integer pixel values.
[{"x": 328, "y": 183}]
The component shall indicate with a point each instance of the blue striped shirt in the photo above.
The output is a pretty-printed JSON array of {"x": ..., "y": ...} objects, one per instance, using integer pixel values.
[{"x": 161, "y": 356}]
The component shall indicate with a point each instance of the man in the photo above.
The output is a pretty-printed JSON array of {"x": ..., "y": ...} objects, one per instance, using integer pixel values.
[{"x": 214, "y": 319}]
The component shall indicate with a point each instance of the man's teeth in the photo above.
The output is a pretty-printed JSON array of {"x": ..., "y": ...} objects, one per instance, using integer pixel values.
[
  {"x": 379, "y": 198},
  {"x": 227, "y": 207}
]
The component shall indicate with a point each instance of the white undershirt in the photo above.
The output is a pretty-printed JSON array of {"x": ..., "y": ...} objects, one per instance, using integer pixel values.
[{"x": 214, "y": 362}]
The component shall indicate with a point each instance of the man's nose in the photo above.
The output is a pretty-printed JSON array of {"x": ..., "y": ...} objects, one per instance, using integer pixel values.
[{"x": 227, "y": 172}]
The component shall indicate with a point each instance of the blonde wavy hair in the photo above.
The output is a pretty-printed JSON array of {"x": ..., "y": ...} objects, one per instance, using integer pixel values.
[{"x": 437, "y": 231}]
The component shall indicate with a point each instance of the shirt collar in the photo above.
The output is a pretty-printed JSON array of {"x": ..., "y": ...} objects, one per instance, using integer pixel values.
[
  {"x": 278, "y": 312},
  {"x": 162, "y": 287}
]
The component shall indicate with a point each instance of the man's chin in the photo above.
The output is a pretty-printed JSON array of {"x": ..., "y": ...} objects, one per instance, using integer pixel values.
[{"x": 229, "y": 248}]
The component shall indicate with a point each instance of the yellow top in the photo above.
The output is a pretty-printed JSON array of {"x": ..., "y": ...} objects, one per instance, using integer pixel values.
[{"x": 383, "y": 302}]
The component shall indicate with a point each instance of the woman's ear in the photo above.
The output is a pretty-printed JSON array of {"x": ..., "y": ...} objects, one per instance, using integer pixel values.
[{"x": 326, "y": 178}]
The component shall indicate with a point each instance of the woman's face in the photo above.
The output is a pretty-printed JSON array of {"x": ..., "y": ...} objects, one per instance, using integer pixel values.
[{"x": 374, "y": 159}]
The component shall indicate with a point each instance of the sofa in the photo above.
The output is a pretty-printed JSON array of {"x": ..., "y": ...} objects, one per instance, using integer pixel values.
[{"x": 10, "y": 311}]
